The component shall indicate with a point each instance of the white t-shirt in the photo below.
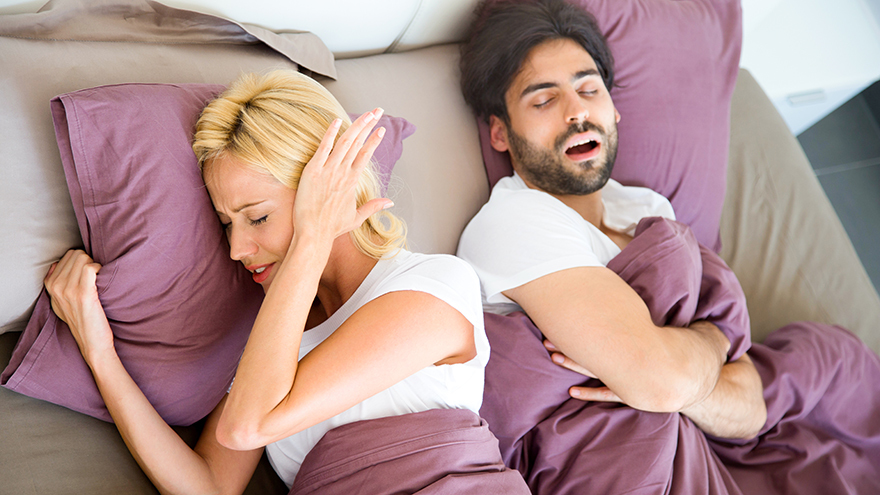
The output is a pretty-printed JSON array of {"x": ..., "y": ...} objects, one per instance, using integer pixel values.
[
  {"x": 522, "y": 234},
  {"x": 451, "y": 386}
]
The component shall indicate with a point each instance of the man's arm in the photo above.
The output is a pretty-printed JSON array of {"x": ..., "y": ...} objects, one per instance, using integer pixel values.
[
  {"x": 736, "y": 407},
  {"x": 600, "y": 322}
]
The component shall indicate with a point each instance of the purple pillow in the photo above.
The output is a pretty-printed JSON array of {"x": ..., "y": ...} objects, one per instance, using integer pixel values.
[
  {"x": 675, "y": 65},
  {"x": 180, "y": 308}
]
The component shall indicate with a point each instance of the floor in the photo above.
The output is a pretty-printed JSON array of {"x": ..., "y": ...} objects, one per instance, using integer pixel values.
[{"x": 844, "y": 149}]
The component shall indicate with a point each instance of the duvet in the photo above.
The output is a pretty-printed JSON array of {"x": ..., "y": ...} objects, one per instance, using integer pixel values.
[{"x": 821, "y": 386}]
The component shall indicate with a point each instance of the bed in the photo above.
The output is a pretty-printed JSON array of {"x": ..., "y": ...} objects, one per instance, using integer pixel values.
[{"x": 761, "y": 206}]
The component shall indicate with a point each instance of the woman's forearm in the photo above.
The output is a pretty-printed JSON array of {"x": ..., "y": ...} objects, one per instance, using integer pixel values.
[
  {"x": 273, "y": 345},
  {"x": 166, "y": 459}
]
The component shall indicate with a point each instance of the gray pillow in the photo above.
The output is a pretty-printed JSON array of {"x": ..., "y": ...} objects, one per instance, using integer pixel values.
[{"x": 77, "y": 44}]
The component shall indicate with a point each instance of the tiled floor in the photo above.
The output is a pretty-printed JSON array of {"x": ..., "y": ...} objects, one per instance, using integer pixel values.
[{"x": 844, "y": 149}]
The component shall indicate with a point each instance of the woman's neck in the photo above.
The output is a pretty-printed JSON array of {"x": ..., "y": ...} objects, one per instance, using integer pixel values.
[{"x": 346, "y": 270}]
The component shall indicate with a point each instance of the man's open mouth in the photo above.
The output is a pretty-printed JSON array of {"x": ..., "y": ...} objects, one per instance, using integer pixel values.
[{"x": 582, "y": 148}]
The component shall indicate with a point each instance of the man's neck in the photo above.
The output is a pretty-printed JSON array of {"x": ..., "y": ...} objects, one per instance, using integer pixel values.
[{"x": 588, "y": 206}]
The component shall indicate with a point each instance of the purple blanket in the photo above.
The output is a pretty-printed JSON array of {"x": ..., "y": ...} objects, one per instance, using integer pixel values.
[
  {"x": 438, "y": 451},
  {"x": 821, "y": 385}
]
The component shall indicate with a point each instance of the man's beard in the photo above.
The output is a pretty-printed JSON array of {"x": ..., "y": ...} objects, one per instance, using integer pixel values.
[{"x": 545, "y": 169}]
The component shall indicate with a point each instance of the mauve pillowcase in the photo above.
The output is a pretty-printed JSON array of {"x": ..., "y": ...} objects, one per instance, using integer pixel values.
[
  {"x": 675, "y": 65},
  {"x": 180, "y": 308}
]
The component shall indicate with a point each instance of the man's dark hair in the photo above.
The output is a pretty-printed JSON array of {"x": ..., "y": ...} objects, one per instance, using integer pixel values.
[{"x": 504, "y": 33}]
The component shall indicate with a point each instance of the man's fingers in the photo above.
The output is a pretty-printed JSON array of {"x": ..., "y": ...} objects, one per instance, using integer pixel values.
[
  {"x": 597, "y": 394},
  {"x": 566, "y": 362}
]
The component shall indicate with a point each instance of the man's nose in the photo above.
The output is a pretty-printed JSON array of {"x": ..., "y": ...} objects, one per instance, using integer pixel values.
[{"x": 576, "y": 108}]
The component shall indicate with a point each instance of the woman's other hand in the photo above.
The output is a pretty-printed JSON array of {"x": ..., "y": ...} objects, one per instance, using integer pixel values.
[
  {"x": 326, "y": 198},
  {"x": 71, "y": 286}
]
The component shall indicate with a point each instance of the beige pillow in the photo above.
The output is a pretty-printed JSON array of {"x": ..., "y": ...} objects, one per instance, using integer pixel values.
[{"x": 80, "y": 44}]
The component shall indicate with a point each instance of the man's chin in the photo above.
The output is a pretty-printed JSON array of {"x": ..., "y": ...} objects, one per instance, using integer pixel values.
[{"x": 593, "y": 176}]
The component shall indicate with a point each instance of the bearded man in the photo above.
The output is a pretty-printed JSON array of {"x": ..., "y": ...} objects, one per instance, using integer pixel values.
[
  {"x": 796, "y": 414},
  {"x": 542, "y": 242}
]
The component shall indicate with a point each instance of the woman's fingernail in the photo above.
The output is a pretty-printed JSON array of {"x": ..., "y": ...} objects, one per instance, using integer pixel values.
[
  {"x": 388, "y": 205},
  {"x": 558, "y": 359},
  {"x": 336, "y": 123},
  {"x": 381, "y": 132},
  {"x": 575, "y": 392}
]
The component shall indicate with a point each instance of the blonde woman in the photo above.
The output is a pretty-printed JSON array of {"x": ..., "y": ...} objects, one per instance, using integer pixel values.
[{"x": 352, "y": 326}]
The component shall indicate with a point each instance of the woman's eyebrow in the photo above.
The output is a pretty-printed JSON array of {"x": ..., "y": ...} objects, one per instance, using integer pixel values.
[
  {"x": 247, "y": 205},
  {"x": 242, "y": 207}
]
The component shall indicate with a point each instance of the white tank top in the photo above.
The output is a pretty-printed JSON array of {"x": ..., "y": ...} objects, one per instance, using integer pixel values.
[{"x": 452, "y": 386}]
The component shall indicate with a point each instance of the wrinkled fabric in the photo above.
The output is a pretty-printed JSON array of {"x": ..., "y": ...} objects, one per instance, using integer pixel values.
[
  {"x": 438, "y": 451},
  {"x": 821, "y": 387}
]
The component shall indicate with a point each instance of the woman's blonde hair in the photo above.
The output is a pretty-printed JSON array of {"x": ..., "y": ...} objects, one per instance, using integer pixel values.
[{"x": 274, "y": 123}]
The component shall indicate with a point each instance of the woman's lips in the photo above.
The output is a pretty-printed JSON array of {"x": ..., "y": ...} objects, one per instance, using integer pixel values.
[{"x": 260, "y": 273}]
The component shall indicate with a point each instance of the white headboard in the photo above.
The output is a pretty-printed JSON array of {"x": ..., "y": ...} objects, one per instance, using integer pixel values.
[{"x": 350, "y": 28}]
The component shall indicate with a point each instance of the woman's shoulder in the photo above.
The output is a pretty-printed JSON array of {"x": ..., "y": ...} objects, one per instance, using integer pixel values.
[
  {"x": 439, "y": 266},
  {"x": 442, "y": 275}
]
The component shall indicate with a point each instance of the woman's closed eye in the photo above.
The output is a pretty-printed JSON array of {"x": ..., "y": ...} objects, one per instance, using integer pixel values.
[{"x": 227, "y": 225}]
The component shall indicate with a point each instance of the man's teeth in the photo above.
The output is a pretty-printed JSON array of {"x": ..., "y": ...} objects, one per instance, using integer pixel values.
[
  {"x": 260, "y": 270},
  {"x": 585, "y": 141}
]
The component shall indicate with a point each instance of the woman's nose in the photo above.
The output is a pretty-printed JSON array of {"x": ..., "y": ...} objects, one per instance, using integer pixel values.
[{"x": 240, "y": 245}]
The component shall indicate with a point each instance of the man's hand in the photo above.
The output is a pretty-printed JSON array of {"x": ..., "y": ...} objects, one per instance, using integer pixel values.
[{"x": 598, "y": 394}]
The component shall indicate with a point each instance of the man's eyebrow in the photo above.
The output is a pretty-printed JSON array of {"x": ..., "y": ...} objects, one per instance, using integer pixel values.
[{"x": 531, "y": 88}]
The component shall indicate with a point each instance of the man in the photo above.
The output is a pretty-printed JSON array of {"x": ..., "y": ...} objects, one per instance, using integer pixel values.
[
  {"x": 556, "y": 118},
  {"x": 540, "y": 73}
]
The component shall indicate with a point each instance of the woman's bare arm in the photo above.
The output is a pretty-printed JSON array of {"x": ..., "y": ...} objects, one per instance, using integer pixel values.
[
  {"x": 166, "y": 459},
  {"x": 383, "y": 342}
]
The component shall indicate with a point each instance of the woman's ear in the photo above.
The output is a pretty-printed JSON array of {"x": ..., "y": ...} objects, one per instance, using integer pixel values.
[{"x": 498, "y": 134}]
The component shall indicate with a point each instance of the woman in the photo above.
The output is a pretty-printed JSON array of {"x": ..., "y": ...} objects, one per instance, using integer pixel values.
[{"x": 379, "y": 331}]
